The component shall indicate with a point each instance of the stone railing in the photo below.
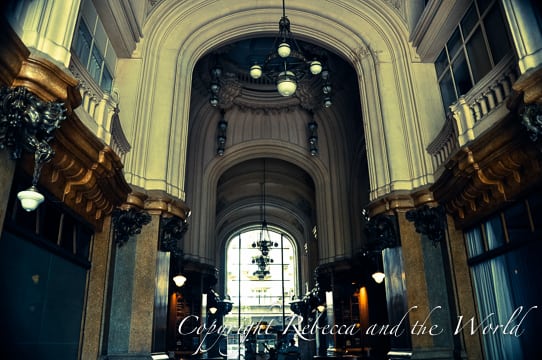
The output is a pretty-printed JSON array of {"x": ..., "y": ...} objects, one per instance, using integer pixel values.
[
  {"x": 475, "y": 111},
  {"x": 99, "y": 110}
]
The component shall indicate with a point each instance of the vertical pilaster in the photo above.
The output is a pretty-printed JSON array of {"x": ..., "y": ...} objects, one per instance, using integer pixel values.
[
  {"x": 47, "y": 26},
  {"x": 464, "y": 293},
  {"x": 96, "y": 292},
  {"x": 525, "y": 21},
  {"x": 428, "y": 282},
  {"x": 144, "y": 283}
]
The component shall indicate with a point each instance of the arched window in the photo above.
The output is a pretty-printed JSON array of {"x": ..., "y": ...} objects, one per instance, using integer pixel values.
[{"x": 260, "y": 297}]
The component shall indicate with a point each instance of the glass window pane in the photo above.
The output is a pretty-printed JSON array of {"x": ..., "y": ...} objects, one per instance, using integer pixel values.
[
  {"x": 474, "y": 242},
  {"x": 257, "y": 297},
  {"x": 447, "y": 90},
  {"x": 469, "y": 21},
  {"x": 454, "y": 44},
  {"x": 517, "y": 222},
  {"x": 478, "y": 56},
  {"x": 95, "y": 65},
  {"x": 82, "y": 43},
  {"x": 497, "y": 36},
  {"x": 107, "y": 80},
  {"x": 441, "y": 63},
  {"x": 462, "y": 78},
  {"x": 483, "y": 5},
  {"x": 494, "y": 232}
]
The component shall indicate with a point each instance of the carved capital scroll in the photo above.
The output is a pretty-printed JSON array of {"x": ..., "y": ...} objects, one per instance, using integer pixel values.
[
  {"x": 172, "y": 230},
  {"x": 429, "y": 221},
  {"x": 127, "y": 223},
  {"x": 382, "y": 232}
]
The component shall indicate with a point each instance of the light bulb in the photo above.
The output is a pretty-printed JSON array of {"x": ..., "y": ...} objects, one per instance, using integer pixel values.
[
  {"x": 284, "y": 50},
  {"x": 255, "y": 71},
  {"x": 286, "y": 83},
  {"x": 179, "y": 280},
  {"x": 378, "y": 277},
  {"x": 315, "y": 67}
]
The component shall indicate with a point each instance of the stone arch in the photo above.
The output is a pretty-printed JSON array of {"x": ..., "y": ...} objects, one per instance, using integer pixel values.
[{"x": 370, "y": 36}]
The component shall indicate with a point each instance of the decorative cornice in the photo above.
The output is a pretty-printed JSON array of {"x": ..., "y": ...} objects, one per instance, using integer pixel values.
[
  {"x": 499, "y": 167},
  {"x": 157, "y": 202},
  {"x": 84, "y": 173},
  {"x": 429, "y": 221},
  {"x": 128, "y": 223},
  {"x": 399, "y": 200},
  {"x": 530, "y": 86},
  {"x": 12, "y": 53}
]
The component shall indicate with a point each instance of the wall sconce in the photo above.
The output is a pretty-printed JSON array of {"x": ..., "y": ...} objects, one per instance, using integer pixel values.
[
  {"x": 27, "y": 124},
  {"x": 321, "y": 308}
]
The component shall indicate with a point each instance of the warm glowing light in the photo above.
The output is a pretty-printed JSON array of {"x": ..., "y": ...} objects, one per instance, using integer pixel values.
[
  {"x": 378, "y": 277},
  {"x": 179, "y": 280}
]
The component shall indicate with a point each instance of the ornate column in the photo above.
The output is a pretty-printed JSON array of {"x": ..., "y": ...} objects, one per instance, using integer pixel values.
[
  {"x": 427, "y": 278},
  {"x": 383, "y": 240},
  {"x": 147, "y": 228}
]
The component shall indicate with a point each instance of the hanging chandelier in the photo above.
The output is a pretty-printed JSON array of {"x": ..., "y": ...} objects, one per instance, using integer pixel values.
[
  {"x": 286, "y": 64},
  {"x": 264, "y": 244}
]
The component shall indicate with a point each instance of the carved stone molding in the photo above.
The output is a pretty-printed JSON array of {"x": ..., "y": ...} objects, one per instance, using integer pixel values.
[
  {"x": 400, "y": 200},
  {"x": 157, "y": 202},
  {"x": 172, "y": 230},
  {"x": 85, "y": 173},
  {"x": 530, "y": 86},
  {"x": 128, "y": 223},
  {"x": 500, "y": 166},
  {"x": 429, "y": 221}
]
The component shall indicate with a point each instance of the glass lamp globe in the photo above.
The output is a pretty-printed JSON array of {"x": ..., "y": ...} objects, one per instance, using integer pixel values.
[
  {"x": 255, "y": 71},
  {"x": 378, "y": 277},
  {"x": 286, "y": 83},
  {"x": 315, "y": 67},
  {"x": 284, "y": 50},
  {"x": 30, "y": 198},
  {"x": 179, "y": 280}
]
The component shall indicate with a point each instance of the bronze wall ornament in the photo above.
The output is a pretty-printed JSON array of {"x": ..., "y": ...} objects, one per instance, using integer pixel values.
[
  {"x": 429, "y": 221},
  {"x": 531, "y": 118},
  {"x": 127, "y": 223},
  {"x": 27, "y": 124},
  {"x": 172, "y": 230},
  {"x": 381, "y": 232}
]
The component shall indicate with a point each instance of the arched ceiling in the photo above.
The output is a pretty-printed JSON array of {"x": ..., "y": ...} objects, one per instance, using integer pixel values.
[{"x": 280, "y": 189}]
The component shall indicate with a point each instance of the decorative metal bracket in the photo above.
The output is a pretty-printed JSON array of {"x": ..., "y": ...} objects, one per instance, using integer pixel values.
[
  {"x": 221, "y": 135},
  {"x": 172, "y": 230},
  {"x": 127, "y": 223},
  {"x": 429, "y": 221},
  {"x": 27, "y": 124},
  {"x": 531, "y": 118},
  {"x": 382, "y": 232},
  {"x": 313, "y": 138}
]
